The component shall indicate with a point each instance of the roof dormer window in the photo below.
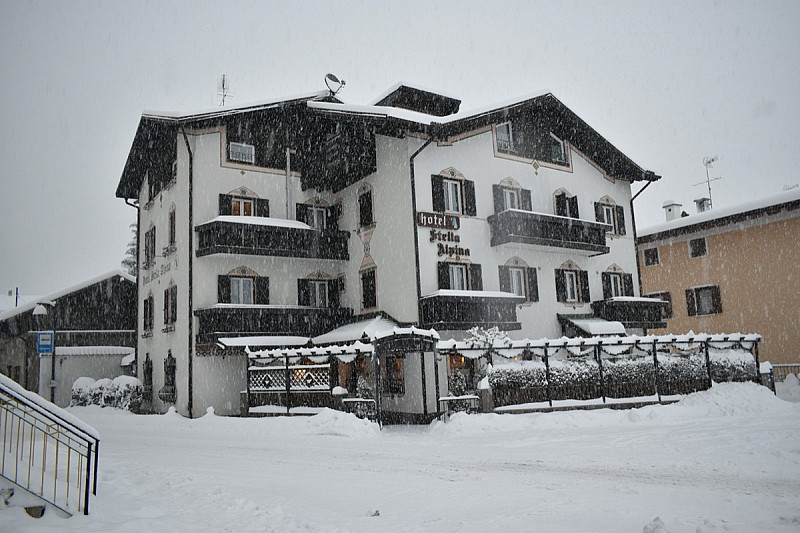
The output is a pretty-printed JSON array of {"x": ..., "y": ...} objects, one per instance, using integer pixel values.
[{"x": 557, "y": 151}]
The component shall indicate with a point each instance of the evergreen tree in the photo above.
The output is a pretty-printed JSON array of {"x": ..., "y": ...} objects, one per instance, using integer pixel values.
[{"x": 129, "y": 262}]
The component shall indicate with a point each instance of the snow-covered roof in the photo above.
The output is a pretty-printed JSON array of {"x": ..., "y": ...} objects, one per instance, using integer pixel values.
[
  {"x": 472, "y": 294},
  {"x": 258, "y": 221},
  {"x": 356, "y": 331},
  {"x": 265, "y": 340},
  {"x": 418, "y": 87},
  {"x": 64, "y": 292},
  {"x": 94, "y": 350},
  {"x": 222, "y": 111},
  {"x": 714, "y": 214},
  {"x": 598, "y": 326}
]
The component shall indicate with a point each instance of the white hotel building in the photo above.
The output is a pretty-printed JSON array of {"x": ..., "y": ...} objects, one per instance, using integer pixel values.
[{"x": 280, "y": 222}]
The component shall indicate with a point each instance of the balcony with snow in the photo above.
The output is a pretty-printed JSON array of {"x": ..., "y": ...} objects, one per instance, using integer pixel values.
[
  {"x": 525, "y": 227},
  {"x": 632, "y": 312},
  {"x": 448, "y": 309},
  {"x": 249, "y": 235},
  {"x": 237, "y": 320}
]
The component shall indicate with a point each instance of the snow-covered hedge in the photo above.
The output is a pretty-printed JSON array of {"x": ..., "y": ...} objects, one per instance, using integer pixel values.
[
  {"x": 623, "y": 376},
  {"x": 123, "y": 392}
]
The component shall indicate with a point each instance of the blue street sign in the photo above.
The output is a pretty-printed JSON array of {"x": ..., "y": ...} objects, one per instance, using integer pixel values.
[{"x": 44, "y": 342}]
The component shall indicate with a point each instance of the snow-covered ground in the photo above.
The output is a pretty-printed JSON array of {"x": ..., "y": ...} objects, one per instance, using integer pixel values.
[{"x": 727, "y": 459}]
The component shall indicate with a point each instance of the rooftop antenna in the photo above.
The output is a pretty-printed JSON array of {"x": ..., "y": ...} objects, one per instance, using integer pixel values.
[
  {"x": 332, "y": 81},
  {"x": 223, "y": 87},
  {"x": 709, "y": 162}
]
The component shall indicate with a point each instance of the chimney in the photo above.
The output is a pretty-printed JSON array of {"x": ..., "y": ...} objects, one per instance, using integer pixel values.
[
  {"x": 703, "y": 204},
  {"x": 672, "y": 210}
]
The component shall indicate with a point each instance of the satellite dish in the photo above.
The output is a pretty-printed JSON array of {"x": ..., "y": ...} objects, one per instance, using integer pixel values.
[{"x": 334, "y": 84}]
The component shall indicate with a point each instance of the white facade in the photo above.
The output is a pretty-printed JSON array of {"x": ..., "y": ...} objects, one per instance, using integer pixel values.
[{"x": 213, "y": 247}]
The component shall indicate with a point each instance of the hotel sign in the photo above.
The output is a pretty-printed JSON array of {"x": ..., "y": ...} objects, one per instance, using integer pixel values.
[
  {"x": 438, "y": 220},
  {"x": 447, "y": 242}
]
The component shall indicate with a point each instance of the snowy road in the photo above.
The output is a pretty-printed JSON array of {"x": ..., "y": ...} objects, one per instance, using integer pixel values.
[{"x": 723, "y": 460}]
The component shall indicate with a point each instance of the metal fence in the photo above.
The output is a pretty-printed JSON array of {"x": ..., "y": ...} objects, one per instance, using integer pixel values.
[
  {"x": 622, "y": 369},
  {"x": 45, "y": 453}
]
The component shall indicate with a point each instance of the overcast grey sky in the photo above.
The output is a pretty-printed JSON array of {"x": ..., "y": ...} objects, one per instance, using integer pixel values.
[{"x": 668, "y": 83}]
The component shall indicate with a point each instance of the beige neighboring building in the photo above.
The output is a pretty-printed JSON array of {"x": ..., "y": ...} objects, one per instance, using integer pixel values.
[{"x": 729, "y": 270}]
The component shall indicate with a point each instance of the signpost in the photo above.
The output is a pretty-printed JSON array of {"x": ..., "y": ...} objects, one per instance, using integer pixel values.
[{"x": 44, "y": 342}]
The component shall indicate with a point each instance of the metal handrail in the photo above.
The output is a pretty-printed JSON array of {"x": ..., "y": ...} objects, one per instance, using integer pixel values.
[{"x": 39, "y": 445}]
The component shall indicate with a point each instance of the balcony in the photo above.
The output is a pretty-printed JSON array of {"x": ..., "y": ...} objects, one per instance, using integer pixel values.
[
  {"x": 232, "y": 320},
  {"x": 632, "y": 312},
  {"x": 540, "y": 229},
  {"x": 269, "y": 236},
  {"x": 451, "y": 309}
]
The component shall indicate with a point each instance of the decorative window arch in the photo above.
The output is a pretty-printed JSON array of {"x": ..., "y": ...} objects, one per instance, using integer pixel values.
[
  {"x": 608, "y": 212},
  {"x": 242, "y": 201},
  {"x": 518, "y": 278},
  {"x": 566, "y": 203},
  {"x": 243, "y": 286},
  {"x": 453, "y": 193},
  {"x": 616, "y": 282},
  {"x": 509, "y": 194},
  {"x": 319, "y": 289},
  {"x": 572, "y": 284}
]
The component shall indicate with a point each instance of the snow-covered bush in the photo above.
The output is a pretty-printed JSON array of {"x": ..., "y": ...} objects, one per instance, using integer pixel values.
[
  {"x": 124, "y": 392},
  {"x": 624, "y": 376}
]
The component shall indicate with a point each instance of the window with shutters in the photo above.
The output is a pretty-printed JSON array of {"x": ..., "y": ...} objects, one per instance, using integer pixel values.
[
  {"x": 616, "y": 283},
  {"x": 170, "y": 308},
  {"x": 460, "y": 276},
  {"x": 566, "y": 205},
  {"x": 520, "y": 279},
  {"x": 243, "y": 286},
  {"x": 510, "y": 197},
  {"x": 147, "y": 317},
  {"x": 240, "y": 205},
  {"x": 243, "y": 153},
  {"x": 149, "y": 248},
  {"x": 705, "y": 300},
  {"x": 651, "y": 257},
  {"x": 666, "y": 311},
  {"x": 369, "y": 295},
  {"x": 697, "y": 247},
  {"x": 607, "y": 212},
  {"x": 572, "y": 285},
  {"x": 453, "y": 195},
  {"x": 365, "y": 209}
]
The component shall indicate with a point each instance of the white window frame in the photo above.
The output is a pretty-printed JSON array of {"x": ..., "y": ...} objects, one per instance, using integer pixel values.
[
  {"x": 562, "y": 148},
  {"x": 505, "y": 141},
  {"x": 242, "y": 202},
  {"x": 318, "y": 293},
  {"x": 452, "y": 196},
  {"x": 617, "y": 288},
  {"x": 317, "y": 217},
  {"x": 517, "y": 276},
  {"x": 571, "y": 285},
  {"x": 241, "y": 152},
  {"x": 608, "y": 215},
  {"x": 242, "y": 290},
  {"x": 458, "y": 277},
  {"x": 510, "y": 198}
]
